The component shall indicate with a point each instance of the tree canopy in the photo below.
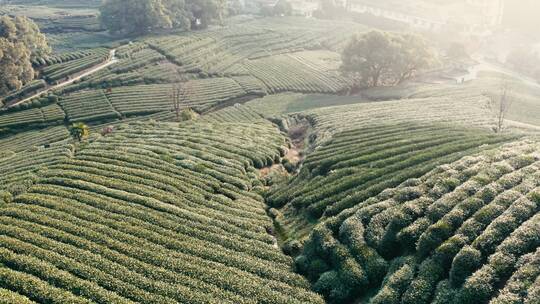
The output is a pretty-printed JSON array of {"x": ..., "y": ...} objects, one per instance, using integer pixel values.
[
  {"x": 283, "y": 8},
  {"x": 15, "y": 66},
  {"x": 329, "y": 9},
  {"x": 381, "y": 58},
  {"x": 457, "y": 51},
  {"x": 79, "y": 131},
  {"x": 20, "y": 41},
  {"x": 22, "y": 29},
  {"x": 136, "y": 17}
]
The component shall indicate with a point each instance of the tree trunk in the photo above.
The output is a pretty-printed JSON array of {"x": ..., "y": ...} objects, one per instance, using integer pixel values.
[{"x": 376, "y": 77}]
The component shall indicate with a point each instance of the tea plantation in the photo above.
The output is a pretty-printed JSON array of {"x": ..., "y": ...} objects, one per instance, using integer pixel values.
[
  {"x": 394, "y": 206},
  {"x": 155, "y": 213},
  {"x": 238, "y": 164},
  {"x": 466, "y": 232}
]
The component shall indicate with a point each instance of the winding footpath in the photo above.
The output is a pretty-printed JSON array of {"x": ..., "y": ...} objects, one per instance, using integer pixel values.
[
  {"x": 521, "y": 125},
  {"x": 111, "y": 60}
]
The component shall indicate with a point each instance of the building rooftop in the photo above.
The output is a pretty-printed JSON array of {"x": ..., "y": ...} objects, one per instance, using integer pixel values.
[{"x": 439, "y": 11}]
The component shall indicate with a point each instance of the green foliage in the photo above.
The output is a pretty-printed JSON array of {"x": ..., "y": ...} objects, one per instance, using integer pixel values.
[
  {"x": 151, "y": 230},
  {"x": 20, "y": 42},
  {"x": 63, "y": 70},
  {"x": 5, "y": 198},
  {"x": 15, "y": 67},
  {"x": 292, "y": 247},
  {"x": 410, "y": 238},
  {"x": 79, "y": 131},
  {"x": 187, "y": 114},
  {"x": 137, "y": 17},
  {"x": 380, "y": 58},
  {"x": 463, "y": 265},
  {"x": 326, "y": 282},
  {"x": 282, "y": 8},
  {"x": 21, "y": 29},
  {"x": 51, "y": 114}
]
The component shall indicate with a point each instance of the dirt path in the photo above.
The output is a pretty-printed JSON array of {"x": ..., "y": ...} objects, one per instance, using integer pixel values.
[
  {"x": 111, "y": 60},
  {"x": 485, "y": 66},
  {"x": 522, "y": 125},
  {"x": 295, "y": 154}
]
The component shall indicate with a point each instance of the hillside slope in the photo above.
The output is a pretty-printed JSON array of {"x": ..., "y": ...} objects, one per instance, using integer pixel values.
[
  {"x": 154, "y": 213},
  {"x": 387, "y": 196},
  {"x": 466, "y": 232}
]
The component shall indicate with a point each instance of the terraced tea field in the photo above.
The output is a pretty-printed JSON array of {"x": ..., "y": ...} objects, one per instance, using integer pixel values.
[
  {"x": 393, "y": 205},
  {"x": 19, "y": 169},
  {"x": 271, "y": 183},
  {"x": 240, "y": 61},
  {"x": 466, "y": 232},
  {"x": 523, "y": 96},
  {"x": 26, "y": 140},
  {"x": 360, "y": 163},
  {"x": 51, "y": 18},
  {"x": 51, "y": 114},
  {"x": 170, "y": 219},
  {"x": 58, "y": 71}
]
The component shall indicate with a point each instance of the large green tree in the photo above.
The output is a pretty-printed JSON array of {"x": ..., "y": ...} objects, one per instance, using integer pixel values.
[
  {"x": 202, "y": 12},
  {"x": 22, "y": 29},
  {"x": 20, "y": 41},
  {"x": 413, "y": 54},
  {"x": 137, "y": 17},
  {"x": 380, "y": 58},
  {"x": 283, "y": 8},
  {"x": 15, "y": 66}
]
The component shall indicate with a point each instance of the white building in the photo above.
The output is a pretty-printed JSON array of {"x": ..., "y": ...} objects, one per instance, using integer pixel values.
[
  {"x": 399, "y": 13},
  {"x": 470, "y": 16}
]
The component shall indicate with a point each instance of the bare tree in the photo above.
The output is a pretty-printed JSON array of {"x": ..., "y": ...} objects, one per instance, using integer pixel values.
[
  {"x": 176, "y": 98},
  {"x": 500, "y": 104}
]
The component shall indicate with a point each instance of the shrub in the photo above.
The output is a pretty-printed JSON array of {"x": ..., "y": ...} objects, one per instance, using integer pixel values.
[
  {"x": 326, "y": 282},
  {"x": 316, "y": 267},
  {"x": 394, "y": 286},
  {"x": 291, "y": 168},
  {"x": 444, "y": 294},
  {"x": 52, "y": 98},
  {"x": 407, "y": 194},
  {"x": 422, "y": 287},
  {"x": 5, "y": 197},
  {"x": 292, "y": 247},
  {"x": 36, "y": 103},
  {"x": 477, "y": 288},
  {"x": 466, "y": 261},
  {"x": 301, "y": 264},
  {"x": 434, "y": 236}
]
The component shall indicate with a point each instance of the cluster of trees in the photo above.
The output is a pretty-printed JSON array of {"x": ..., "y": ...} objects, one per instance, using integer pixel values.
[
  {"x": 281, "y": 8},
  {"x": 385, "y": 59},
  {"x": 329, "y": 9},
  {"x": 20, "y": 42},
  {"x": 137, "y": 17},
  {"x": 79, "y": 131},
  {"x": 457, "y": 51}
]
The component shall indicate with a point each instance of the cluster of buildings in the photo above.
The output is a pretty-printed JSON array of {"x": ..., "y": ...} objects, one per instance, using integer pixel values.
[{"x": 469, "y": 16}]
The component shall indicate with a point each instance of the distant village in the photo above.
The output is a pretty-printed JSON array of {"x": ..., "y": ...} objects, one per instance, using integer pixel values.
[{"x": 480, "y": 16}]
